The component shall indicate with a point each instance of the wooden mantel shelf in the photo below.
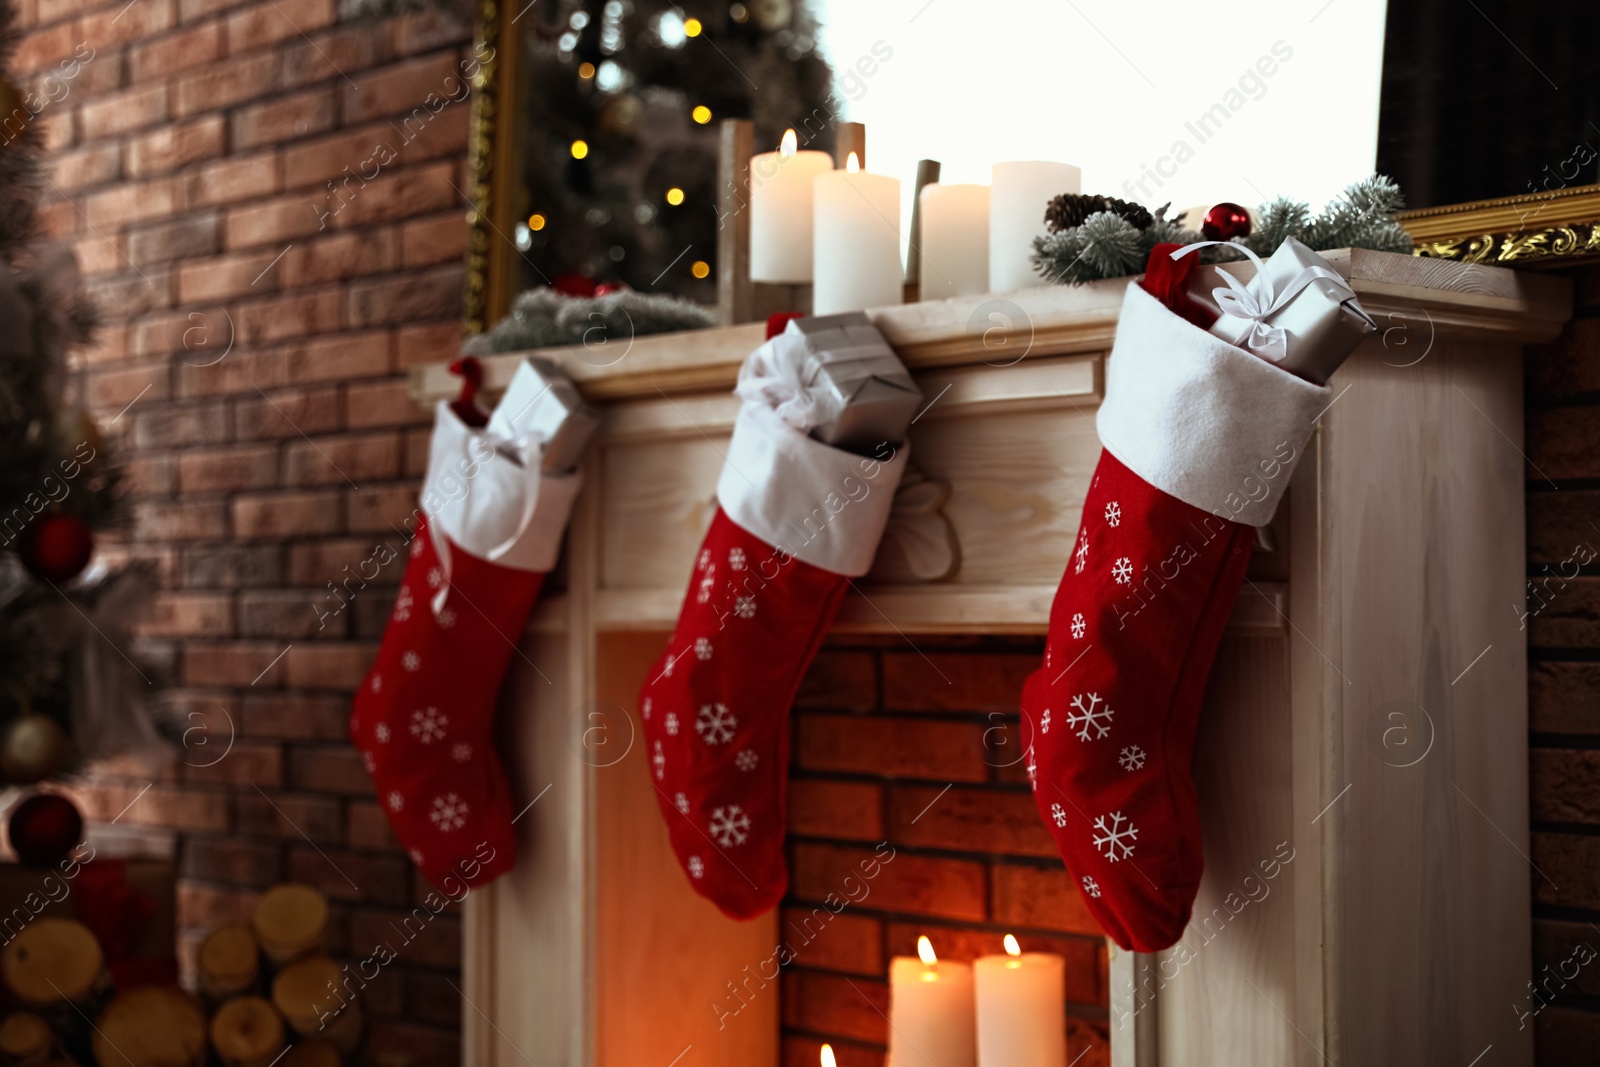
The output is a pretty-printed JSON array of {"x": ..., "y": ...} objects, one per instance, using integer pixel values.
[
  {"x": 1399, "y": 292},
  {"x": 1397, "y": 550}
]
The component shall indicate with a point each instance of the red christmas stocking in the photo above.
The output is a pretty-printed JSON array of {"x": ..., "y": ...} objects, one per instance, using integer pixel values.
[
  {"x": 488, "y": 530},
  {"x": 1200, "y": 440},
  {"x": 797, "y": 520}
]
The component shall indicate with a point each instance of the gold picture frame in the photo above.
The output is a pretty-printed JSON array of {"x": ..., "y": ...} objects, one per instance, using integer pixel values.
[{"x": 1552, "y": 229}]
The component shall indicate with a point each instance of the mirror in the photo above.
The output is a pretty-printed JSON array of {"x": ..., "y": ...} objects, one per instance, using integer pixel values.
[{"x": 596, "y": 145}]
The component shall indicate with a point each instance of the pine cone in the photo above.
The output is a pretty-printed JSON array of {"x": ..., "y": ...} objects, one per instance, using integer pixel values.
[{"x": 1070, "y": 209}]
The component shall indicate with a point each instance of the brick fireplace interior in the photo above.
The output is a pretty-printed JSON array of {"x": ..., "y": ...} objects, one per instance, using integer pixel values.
[{"x": 917, "y": 747}]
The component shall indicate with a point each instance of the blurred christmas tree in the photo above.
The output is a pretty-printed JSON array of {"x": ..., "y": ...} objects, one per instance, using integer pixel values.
[
  {"x": 620, "y": 135},
  {"x": 58, "y": 634}
]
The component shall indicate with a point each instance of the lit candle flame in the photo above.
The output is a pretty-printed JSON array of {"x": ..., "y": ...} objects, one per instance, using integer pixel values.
[
  {"x": 925, "y": 950},
  {"x": 789, "y": 145},
  {"x": 827, "y": 1057},
  {"x": 852, "y": 164},
  {"x": 1012, "y": 948}
]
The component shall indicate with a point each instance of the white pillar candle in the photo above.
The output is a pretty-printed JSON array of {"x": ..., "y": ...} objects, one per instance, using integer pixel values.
[
  {"x": 1017, "y": 199},
  {"x": 856, "y": 248},
  {"x": 1022, "y": 1015},
  {"x": 780, "y": 211},
  {"x": 931, "y": 1022},
  {"x": 955, "y": 240}
]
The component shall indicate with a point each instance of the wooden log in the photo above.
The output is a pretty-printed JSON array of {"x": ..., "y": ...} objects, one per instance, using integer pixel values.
[
  {"x": 312, "y": 995},
  {"x": 52, "y": 961},
  {"x": 247, "y": 1032},
  {"x": 290, "y": 922},
  {"x": 151, "y": 1026},
  {"x": 26, "y": 1040},
  {"x": 228, "y": 962},
  {"x": 313, "y": 1052}
]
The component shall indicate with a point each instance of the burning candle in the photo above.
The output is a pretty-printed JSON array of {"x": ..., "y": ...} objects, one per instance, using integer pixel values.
[
  {"x": 780, "y": 211},
  {"x": 856, "y": 250},
  {"x": 1017, "y": 199},
  {"x": 1022, "y": 1015},
  {"x": 955, "y": 240},
  {"x": 827, "y": 1056},
  {"x": 930, "y": 1011}
]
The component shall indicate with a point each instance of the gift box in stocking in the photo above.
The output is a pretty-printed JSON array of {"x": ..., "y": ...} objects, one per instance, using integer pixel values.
[
  {"x": 488, "y": 530},
  {"x": 1200, "y": 440},
  {"x": 796, "y": 520}
]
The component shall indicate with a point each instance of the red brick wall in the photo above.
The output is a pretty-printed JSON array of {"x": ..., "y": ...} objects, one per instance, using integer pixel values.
[
  {"x": 1563, "y": 508},
  {"x": 879, "y": 732},
  {"x": 190, "y": 159}
]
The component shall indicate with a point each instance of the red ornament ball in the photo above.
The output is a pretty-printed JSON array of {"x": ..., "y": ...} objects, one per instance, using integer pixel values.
[
  {"x": 56, "y": 547},
  {"x": 44, "y": 829},
  {"x": 1225, "y": 222}
]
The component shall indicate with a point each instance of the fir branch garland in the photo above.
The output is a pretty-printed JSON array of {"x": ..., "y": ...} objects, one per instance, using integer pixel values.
[
  {"x": 544, "y": 318},
  {"x": 1111, "y": 244}
]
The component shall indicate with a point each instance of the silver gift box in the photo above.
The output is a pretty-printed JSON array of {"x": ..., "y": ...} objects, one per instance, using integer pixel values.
[
  {"x": 1323, "y": 324},
  {"x": 850, "y": 362},
  {"x": 541, "y": 400}
]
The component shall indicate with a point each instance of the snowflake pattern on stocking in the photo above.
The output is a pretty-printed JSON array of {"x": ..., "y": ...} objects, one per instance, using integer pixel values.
[
  {"x": 1131, "y": 758},
  {"x": 1044, "y": 722},
  {"x": 1091, "y": 887},
  {"x": 668, "y": 664},
  {"x": 746, "y": 760},
  {"x": 704, "y": 561},
  {"x": 427, "y": 725},
  {"x": 715, "y": 724},
  {"x": 736, "y": 559},
  {"x": 1079, "y": 627},
  {"x": 449, "y": 813},
  {"x": 1113, "y": 514},
  {"x": 1033, "y": 769},
  {"x": 1081, "y": 556},
  {"x": 702, "y": 648},
  {"x": 435, "y": 576},
  {"x": 395, "y": 801},
  {"x": 730, "y": 826},
  {"x": 369, "y": 762},
  {"x": 672, "y": 724},
  {"x": 644, "y": 709},
  {"x": 681, "y": 802},
  {"x": 744, "y": 607},
  {"x": 707, "y": 584},
  {"x": 402, "y": 604},
  {"x": 461, "y": 752},
  {"x": 1122, "y": 571},
  {"x": 697, "y": 867},
  {"x": 447, "y": 619},
  {"x": 1115, "y": 839},
  {"x": 1090, "y": 719},
  {"x": 381, "y": 732},
  {"x": 1058, "y": 814},
  {"x": 659, "y": 761},
  {"x": 411, "y": 662}
]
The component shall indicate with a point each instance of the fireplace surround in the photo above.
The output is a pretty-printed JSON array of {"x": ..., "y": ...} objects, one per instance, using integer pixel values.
[{"x": 1364, "y": 737}]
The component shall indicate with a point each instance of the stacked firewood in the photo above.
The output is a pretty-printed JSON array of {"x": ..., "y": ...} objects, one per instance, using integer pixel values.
[{"x": 267, "y": 995}]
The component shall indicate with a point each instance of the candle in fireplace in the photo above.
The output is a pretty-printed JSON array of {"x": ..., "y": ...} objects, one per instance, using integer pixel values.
[
  {"x": 780, "y": 211},
  {"x": 930, "y": 1011},
  {"x": 1022, "y": 1018},
  {"x": 857, "y": 241}
]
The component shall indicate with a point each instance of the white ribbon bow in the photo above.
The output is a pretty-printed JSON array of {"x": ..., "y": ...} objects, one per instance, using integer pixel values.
[{"x": 1257, "y": 302}]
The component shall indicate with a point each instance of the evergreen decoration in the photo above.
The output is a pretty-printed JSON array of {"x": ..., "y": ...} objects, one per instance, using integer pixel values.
[
  {"x": 1071, "y": 209},
  {"x": 544, "y": 318},
  {"x": 1110, "y": 243}
]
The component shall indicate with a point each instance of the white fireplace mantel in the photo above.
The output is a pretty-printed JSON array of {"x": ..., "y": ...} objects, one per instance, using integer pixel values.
[{"x": 1400, "y": 930}]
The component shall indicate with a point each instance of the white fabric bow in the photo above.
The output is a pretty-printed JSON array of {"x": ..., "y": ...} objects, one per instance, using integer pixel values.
[
  {"x": 774, "y": 376},
  {"x": 1259, "y": 301}
]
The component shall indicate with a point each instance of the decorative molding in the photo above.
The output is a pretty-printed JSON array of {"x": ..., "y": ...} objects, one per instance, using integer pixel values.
[
  {"x": 1553, "y": 228},
  {"x": 920, "y": 542}
]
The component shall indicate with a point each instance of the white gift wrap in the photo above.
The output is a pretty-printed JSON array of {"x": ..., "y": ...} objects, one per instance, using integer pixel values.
[{"x": 1297, "y": 312}]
